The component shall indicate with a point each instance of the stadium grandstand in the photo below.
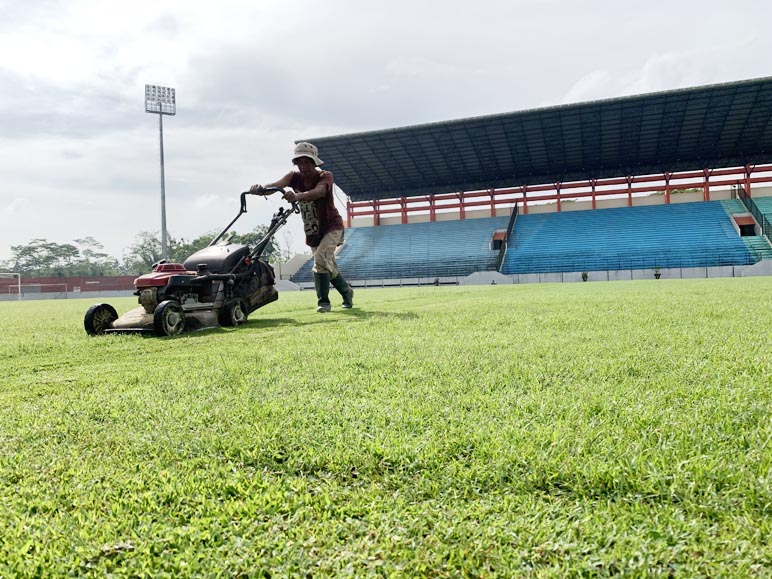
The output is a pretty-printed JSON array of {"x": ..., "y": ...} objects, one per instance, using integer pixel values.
[{"x": 677, "y": 183}]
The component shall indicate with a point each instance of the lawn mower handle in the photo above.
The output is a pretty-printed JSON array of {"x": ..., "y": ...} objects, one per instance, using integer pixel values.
[
  {"x": 264, "y": 192},
  {"x": 243, "y": 209}
]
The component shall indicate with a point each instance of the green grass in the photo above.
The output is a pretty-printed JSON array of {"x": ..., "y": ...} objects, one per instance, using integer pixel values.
[{"x": 590, "y": 430}]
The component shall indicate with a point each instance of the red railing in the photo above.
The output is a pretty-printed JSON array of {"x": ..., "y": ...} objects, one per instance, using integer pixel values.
[{"x": 559, "y": 192}]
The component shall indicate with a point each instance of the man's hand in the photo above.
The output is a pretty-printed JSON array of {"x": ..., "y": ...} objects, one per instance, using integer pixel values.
[
  {"x": 257, "y": 189},
  {"x": 291, "y": 196}
]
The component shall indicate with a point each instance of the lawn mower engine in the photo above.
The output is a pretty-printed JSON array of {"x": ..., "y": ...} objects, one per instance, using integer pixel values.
[{"x": 219, "y": 285}]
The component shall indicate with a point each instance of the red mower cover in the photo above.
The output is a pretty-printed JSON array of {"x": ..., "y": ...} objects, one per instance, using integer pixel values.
[{"x": 160, "y": 276}]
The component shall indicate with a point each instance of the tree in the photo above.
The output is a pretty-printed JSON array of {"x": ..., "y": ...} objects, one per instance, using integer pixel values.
[
  {"x": 146, "y": 249},
  {"x": 40, "y": 258},
  {"x": 287, "y": 249},
  {"x": 143, "y": 253},
  {"x": 28, "y": 258},
  {"x": 84, "y": 257},
  {"x": 62, "y": 256},
  {"x": 271, "y": 253},
  {"x": 94, "y": 262}
]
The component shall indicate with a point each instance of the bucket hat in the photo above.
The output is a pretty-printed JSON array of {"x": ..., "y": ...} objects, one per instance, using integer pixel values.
[{"x": 307, "y": 150}]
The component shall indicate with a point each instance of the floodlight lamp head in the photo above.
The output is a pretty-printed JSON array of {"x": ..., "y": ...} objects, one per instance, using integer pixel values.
[{"x": 160, "y": 100}]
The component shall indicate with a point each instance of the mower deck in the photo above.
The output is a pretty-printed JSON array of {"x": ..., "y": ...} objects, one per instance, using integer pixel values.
[{"x": 219, "y": 285}]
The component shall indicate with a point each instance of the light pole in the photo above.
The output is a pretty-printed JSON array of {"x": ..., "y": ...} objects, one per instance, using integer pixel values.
[{"x": 162, "y": 101}]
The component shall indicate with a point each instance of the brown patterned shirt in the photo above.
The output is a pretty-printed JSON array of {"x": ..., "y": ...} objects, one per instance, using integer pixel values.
[{"x": 321, "y": 215}]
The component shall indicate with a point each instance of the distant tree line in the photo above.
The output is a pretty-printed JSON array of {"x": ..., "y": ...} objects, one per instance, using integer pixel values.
[{"x": 85, "y": 258}]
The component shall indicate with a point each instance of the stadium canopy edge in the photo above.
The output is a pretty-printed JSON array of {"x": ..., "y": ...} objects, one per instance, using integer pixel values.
[{"x": 720, "y": 125}]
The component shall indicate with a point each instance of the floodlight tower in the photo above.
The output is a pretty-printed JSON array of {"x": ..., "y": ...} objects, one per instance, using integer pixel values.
[{"x": 161, "y": 101}]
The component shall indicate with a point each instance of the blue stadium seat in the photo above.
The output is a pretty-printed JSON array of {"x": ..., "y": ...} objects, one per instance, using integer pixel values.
[
  {"x": 765, "y": 206},
  {"x": 413, "y": 250},
  {"x": 681, "y": 235}
]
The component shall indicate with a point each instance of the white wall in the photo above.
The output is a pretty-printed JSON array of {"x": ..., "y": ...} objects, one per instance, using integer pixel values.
[
  {"x": 290, "y": 268},
  {"x": 690, "y": 197}
]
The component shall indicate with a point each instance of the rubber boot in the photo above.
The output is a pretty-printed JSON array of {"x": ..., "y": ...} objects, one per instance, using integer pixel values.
[
  {"x": 345, "y": 290},
  {"x": 322, "y": 284}
]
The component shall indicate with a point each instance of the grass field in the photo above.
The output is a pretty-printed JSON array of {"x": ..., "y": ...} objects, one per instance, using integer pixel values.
[{"x": 592, "y": 429}]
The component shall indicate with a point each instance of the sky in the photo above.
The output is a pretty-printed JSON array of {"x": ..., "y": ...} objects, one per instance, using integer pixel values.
[{"x": 80, "y": 157}]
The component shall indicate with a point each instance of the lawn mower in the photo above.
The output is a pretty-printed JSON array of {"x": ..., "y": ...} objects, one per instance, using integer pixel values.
[{"x": 219, "y": 285}]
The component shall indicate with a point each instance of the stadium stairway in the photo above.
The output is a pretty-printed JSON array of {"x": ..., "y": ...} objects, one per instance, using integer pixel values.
[
  {"x": 758, "y": 245},
  {"x": 304, "y": 273},
  {"x": 666, "y": 236},
  {"x": 734, "y": 207},
  {"x": 416, "y": 250},
  {"x": 765, "y": 206}
]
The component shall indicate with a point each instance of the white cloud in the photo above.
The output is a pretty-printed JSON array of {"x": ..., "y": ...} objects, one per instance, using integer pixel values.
[
  {"x": 207, "y": 201},
  {"x": 590, "y": 87},
  {"x": 18, "y": 207}
]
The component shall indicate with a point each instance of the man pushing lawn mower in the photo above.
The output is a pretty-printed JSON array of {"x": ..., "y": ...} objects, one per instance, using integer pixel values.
[{"x": 322, "y": 223}]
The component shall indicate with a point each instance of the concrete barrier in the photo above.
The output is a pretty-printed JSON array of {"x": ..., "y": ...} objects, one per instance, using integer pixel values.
[
  {"x": 485, "y": 278},
  {"x": 761, "y": 268}
]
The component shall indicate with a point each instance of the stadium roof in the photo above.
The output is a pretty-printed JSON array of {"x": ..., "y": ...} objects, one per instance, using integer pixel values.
[{"x": 722, "y": 125}]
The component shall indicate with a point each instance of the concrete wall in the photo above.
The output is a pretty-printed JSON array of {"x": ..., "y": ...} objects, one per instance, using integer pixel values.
[
  {"x": 488, "y": 277},
  {"x": 759, "y": 191},
  {"x": 648, "y": 200},
  {"x": 763, "y": 267},
  {"x": 643, "y": 274},
  {"x": 540, "y": 208},
  {"x": 284, "y": 285},
  {"x": 366, "y": 221},
  {"x": 391, "y": 220},
  {"x": 289, "y": 268},
  {"x": 566, "y": 206},
  {"x": 610, "y": 203},
  {"x": 690, "y": 197}
]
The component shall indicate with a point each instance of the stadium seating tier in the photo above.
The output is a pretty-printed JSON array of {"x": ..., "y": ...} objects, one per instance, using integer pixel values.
[
  {"x": 431, "y": 249},
  {"x": 665, "y": 236},
  {"x": 699, "y": 234}
]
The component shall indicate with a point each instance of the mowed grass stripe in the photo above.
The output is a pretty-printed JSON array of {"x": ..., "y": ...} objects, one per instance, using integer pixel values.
[{"x": 546, "y": 430}]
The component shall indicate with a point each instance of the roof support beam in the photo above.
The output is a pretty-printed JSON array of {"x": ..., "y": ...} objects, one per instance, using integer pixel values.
[
  {"x": 524, "y": 191},
  {"x": 706, "y": 185},
  {"x": 748, "y": 171},
  {"x": 557, "y": 189}
]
